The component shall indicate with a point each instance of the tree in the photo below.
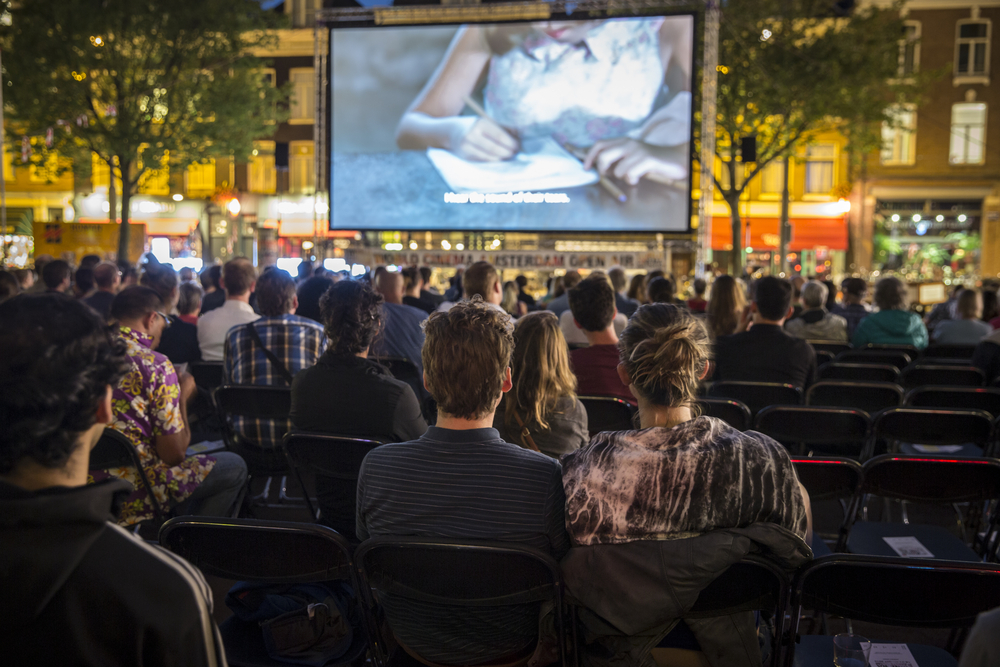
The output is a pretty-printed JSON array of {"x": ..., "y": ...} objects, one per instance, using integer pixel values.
[
  {"x": 789, "y": 69},
  {"x": 142, "y": 84}
]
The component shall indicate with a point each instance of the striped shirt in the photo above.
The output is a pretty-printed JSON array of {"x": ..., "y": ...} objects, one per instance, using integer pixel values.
[
  {"x": 462, "y": 484},
  {"x": 296, "y": 341}
]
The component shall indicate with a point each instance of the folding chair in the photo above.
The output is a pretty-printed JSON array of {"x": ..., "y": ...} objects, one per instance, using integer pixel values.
[
  {"x": 834, "y": 347},
  {"x": 891, "y": 592},
  {"x": 752, "y": 584},
  {"x": 457, "y": 573},
  {"x": 945, "y": 481},
  {"x": 731, "y": 411},
  {"x": 757, "y": 395},
  {"x": 336, "y": 458},
  {"x": 115, "y": 450},
  {"x": 276, "y": 552},
  {"x": 952, "y": 375},
  {"x": 986, "y": 399},
  {"x": 868, "y": 396},
  {"x": 839, "y": 431},
  {"x": 951, "y": 352},
  {"x": 830, "y": 479},
  {"x": 897, "y": 358},
  {"x": 911, "y": 350},
  {"x": 206, "y": 374},
  {"x": 926, "y": 431},
  {"x": 859, "y": 372},
  {"x": 406, "y": 371},
  {"x": 824, "y": 357},
  {"x": 606, "y": 413}
]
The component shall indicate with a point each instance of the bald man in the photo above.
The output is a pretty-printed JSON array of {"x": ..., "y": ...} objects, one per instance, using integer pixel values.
[{"x": 401, "y": 334}]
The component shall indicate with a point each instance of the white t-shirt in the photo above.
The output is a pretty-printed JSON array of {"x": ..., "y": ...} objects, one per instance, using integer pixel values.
[{"x": 215, "y": 324}]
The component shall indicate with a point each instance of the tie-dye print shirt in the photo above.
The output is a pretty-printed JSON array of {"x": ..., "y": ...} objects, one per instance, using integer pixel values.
[
  {"x": 146, "y": 403},
  {"x": 672, "y": 483}
]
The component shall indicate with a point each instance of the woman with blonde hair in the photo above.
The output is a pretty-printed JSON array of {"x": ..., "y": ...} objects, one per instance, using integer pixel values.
[
  {"x": 726, "y": 306},
  {"x": 541, "y": 411}
]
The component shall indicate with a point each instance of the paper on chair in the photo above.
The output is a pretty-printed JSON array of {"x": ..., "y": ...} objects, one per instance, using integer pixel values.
[
  {"x": 908, "y": 547},
  {"x": 545, "y": 165},
  {"x": 938, "y": 449},
  {"x": 891, "y": 655}
]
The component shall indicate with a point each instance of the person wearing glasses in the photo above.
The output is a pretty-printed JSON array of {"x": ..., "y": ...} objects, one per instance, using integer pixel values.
[{"x": 149, "y": 405}]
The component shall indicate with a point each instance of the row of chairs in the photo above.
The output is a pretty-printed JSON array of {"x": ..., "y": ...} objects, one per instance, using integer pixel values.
[
  {"x": 827, "y": 350},
  {"x": 889, "y": 591}
]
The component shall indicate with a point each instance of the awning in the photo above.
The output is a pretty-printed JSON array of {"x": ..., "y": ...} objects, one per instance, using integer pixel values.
[{"x": 807, "y": 233}]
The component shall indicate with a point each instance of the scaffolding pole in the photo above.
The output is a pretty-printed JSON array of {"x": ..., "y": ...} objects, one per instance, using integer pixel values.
[{"x": 709, "y": 80}]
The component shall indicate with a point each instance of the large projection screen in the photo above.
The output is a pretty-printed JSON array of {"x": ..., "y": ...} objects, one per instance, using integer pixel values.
[{"x": 569, "y": 126}]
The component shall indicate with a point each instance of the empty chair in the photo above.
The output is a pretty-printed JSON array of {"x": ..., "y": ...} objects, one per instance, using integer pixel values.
[
  {"x": 834, "y": 347},
  {"x": 824, "y": 357},
  {"x": 970, "y": 398},
  {"x": 897, "y": 358},
  {"x": 729, "y": 410},
  {"x": 918, "y": 375},
  {"x": 928, "y": 431},
  {"x": 206, "y": 374},
  {"x": 840, "y": 431},
  {"x": 757, "y": 395},
  {"x": 868, "y": 396},
  {"x": 829, "y": 479},
  {"x": 859, "y": 372},
  {"x": 265, "y": 551},
  {"x": 606, "y": 413},
  {"x": 890, "y": 592},
  {"x": 959, "y": 352},
  {"x": 944, "y": 481},
  {"x": 441, "y": 576},
  {"x": 115, "y": 450},
  {"x": 334, "y": 461}
]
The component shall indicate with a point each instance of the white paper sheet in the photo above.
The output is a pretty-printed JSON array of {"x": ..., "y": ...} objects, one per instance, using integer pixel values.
[
  {"x": 891, "y": 655},
  {"x": 908, "y": 547},
  {"x": 543, "y": 165},
  {"x": 938, "y": 449}
]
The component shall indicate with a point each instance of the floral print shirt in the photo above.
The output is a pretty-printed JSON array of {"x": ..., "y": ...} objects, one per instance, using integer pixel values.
[{"x": 146, "y": 403}]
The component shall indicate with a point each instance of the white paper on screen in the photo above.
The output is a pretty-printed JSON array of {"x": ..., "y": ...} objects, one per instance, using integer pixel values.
[
  {"x": 891, "y": 655},
  {"x": 938, "y": 449},
  {"x": 544, "y": 165},
  {"x": 908, "y": 547}
]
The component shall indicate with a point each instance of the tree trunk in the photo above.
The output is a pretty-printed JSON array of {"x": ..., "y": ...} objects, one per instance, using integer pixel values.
[
  {"x": 123, "y": 236},
  {"x": 736, "y": 256}
]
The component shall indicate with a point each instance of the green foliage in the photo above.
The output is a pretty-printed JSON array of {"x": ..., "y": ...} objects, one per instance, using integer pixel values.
[{"x": 133, "y": 81}]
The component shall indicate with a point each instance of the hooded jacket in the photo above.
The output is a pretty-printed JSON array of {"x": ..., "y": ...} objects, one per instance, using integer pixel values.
[
  {"x": 818, "y": 324},
  {"x": 79, "y": 590},
  {"x": 891, "y": 327}
]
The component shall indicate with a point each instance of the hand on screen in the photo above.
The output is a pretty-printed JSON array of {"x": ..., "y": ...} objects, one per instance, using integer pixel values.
[
  {"x": 630, "y": 160},
  {"x": 486, "y": 141}
]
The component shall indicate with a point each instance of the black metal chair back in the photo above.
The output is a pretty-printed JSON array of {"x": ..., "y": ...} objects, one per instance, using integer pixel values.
[
  {"x": 952, "y": 375},
  {"x": 844, "y": 431},
  {"x": 731, "y": 411},
  {"x": 911, "y": 350},
  {"x": 859, "y": 372},
  {"x": 115, "y": 450},
  {"x": 465, "y": 573},
  {"x": 834, "y": 347},
  {"x": 832, "y": 479},
  {"x": 937, "y": 351},
  {"x": 970, "y": 398},
  {"x": 757, "y": 395},
  {"x": 933, "y": 480},
  {"x": 406, "y": 371},
  {"x": 868, "y": 396},
  {"x": 324, "y": 455},
  {"x": 606, "y": 413},
  {"x": 926, "y": 426},
  {"x": 206, "y": 374},
  {"x": 824, "y": 357},
  {"x": 898, "y": 358},
  {"x": 254, "y": 402}
]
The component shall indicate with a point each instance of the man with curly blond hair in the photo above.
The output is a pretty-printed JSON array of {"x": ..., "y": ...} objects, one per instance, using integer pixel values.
[{"x": 461, "y": 480}]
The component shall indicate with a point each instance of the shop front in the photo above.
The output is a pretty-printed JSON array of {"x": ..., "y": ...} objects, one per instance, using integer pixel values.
[{"x": 928, "y": 240}]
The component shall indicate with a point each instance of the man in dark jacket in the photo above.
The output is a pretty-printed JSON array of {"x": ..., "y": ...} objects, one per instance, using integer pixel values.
[{"x": 79, "y": 590}]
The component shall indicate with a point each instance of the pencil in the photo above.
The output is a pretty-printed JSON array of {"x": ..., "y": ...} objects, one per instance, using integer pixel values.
[{"x": 608, "y": 184}]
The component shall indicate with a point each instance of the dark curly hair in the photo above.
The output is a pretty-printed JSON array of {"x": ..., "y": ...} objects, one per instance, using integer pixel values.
[
  {"x": 351, "y": 316},
  {"x": 58, "y": 359}
]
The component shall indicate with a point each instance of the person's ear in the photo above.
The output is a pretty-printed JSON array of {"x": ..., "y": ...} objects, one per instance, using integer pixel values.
[
  {"x": 104, "y": 414},
  {"x": 623, "y": 375},
  {"x": 753, "y": 306},
  {"x": 253, "y": 286},
  {"x": 295, "y": 303},
  {"x": 705, "y": 373},
  {"x": 148, "y": 319},
  {"x": 426, "y": 386},
  {"x": 508, "y": 384},
  {"x": 791, "y": 309},
  {"x": 577, "y": 324}
]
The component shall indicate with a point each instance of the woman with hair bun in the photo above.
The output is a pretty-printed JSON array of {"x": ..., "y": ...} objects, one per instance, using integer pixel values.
[
  {"x": 681, "y": 498},
  {"x": 347, "y": 394}
]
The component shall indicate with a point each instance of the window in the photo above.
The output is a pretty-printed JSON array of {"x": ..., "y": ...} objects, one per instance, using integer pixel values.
[
  {"x": 968, "y": 133},
  {"x": 263, "y": 176},
  {"x": 899, "y": 136},
  {"x": 772, "y": 178},
  {"x": 200, "y": 179},
  {"x": 269, "y": 77},
  {"x": 972, "y": 48},
  {"x": 301, "y": 168},
  {"x": 909, "y": 49},
  {"x": 303, "y": 95},
  {"x": 819, "y": 168},
  {"x": 303, "y": 11}
]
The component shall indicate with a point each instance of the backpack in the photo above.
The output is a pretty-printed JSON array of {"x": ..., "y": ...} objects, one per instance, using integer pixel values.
[{"x": 302, "y": 624}]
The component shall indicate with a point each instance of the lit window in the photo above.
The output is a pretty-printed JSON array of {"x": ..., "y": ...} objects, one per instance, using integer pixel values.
[
  {"x": 909, "y": 49},
  {"x": 819, "y": 168},
  {"x": 899, "y": 136},
  {"x": 301, "y": 167},
  {"x": 263, "y": 176},
  {"x": 303, "y": 95},
  {"x": 772, "y": 178},
  {"x": 968, "y": 133},
  {"x": 972, "y": 48},
  {"x": 200, "y": 179},
  {"x": 304, "y": 12}
]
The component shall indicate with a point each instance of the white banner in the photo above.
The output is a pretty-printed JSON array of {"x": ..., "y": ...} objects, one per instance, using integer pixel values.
[{"x": 529, "y": 260}]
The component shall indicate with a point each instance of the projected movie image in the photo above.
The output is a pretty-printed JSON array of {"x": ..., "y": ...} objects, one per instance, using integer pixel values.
[{"x": 549, "y": 126}]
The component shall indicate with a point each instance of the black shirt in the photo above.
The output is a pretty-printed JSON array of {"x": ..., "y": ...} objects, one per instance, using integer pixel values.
[
  {"x": 101, "y": 302},
  {"x": 354, "y": 397},
  {"x": 765, "y": 353},
  {"x": 425, "y": 306},
  {"x": 179, "y": 342},
  {"x": 213, "y": 300}
]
